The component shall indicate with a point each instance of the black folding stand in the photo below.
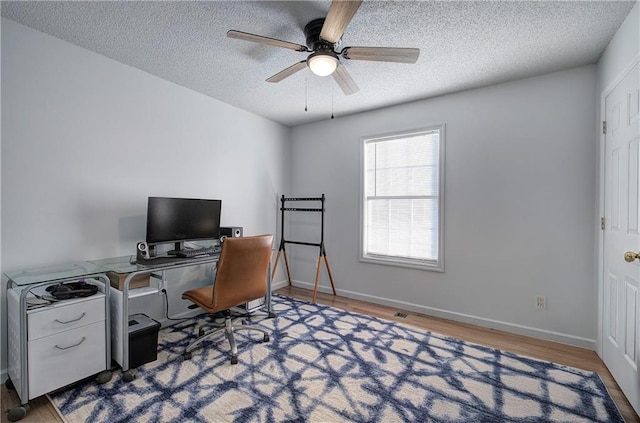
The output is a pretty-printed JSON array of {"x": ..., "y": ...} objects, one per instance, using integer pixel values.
[{"x": 323, "y": 253}]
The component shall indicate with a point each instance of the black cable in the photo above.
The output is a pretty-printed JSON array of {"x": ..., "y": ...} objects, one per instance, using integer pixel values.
[{"x": 166, "y": 304}]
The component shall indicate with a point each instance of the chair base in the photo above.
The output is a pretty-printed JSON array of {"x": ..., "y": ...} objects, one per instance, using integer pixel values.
[{"x": 230, "y": 324}]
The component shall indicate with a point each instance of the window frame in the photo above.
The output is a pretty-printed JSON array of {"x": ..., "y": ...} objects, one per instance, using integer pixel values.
[{"x": 430, "y": 265}]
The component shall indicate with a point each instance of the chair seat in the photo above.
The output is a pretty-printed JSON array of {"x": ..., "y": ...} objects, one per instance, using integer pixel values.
[{"x": 203, "y": 297}]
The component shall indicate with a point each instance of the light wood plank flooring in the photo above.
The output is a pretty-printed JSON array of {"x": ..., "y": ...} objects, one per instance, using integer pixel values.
[{"x": 42, "y": 411}]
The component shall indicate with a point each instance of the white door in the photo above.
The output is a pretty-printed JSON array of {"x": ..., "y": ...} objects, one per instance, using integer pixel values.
[{"x": 621, "y": 278}]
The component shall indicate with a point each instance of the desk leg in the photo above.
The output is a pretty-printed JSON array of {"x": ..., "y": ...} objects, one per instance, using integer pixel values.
[
  {"x": 127, "y": 374},
  {"x": 106, "y": 375},
  {"x": 270, "y": 312}
]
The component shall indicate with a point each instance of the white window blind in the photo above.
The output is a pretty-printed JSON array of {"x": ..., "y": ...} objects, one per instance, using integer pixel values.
[{"x": 401, "y": 222}]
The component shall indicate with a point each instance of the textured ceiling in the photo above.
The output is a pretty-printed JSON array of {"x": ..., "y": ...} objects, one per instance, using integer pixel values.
[{"x": 462, "y": 45}]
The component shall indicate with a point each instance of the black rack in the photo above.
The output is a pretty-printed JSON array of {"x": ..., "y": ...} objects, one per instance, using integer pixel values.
[{"x": 323, "y": 253}]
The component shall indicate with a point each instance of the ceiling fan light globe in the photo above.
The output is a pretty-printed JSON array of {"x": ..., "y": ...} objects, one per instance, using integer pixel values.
[{"x": 322, "y": 64}]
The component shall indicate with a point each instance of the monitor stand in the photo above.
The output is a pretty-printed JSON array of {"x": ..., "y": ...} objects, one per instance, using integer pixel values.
[{"x": 177, "y": 247}]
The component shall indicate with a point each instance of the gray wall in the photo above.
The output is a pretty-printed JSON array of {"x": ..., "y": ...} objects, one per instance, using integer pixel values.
[
  {"x": 621, "y": 51},
  {"x": 519, "y": 206},
  {"x": 85, "y": 141}
]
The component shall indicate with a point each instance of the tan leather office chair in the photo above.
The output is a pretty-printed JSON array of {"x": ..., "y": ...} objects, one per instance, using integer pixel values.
[{"x": 241, "y": 277}]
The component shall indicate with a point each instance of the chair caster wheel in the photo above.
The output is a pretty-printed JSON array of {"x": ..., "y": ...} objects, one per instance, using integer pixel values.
[
  {"x": 129, "y": 376},
  {"x": 9, "y": 384},
  {"x": 186, "y": 356},
  {"x": 265, "y": 338},
  {"x": 234, "y": 360},
  {"x": 17, "y": 413},
  {"x": 104, "y": 377}
]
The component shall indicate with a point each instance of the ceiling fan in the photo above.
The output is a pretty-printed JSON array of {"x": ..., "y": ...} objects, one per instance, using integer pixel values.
[{"x": 323, "y": 38}]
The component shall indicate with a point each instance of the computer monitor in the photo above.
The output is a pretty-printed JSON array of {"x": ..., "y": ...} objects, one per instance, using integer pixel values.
[{"x": 182, "y": 219}]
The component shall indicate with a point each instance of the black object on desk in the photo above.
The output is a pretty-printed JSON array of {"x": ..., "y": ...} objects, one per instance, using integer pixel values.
[
  {"x": 160, "y": 260},
  {"x": 180, "y": 256},
  {"x": 195, "y": 252}
]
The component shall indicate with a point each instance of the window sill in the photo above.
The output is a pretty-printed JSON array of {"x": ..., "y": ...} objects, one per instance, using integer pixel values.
[{"x": 407, "y": 263}]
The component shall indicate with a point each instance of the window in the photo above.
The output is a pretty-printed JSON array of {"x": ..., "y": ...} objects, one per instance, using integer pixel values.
[{"x": 401, "y": 213}]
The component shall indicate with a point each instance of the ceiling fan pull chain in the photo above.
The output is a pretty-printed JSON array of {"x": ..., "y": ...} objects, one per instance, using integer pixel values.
[
  {"x": 306, "y": 97},
  {"x": 332, "y": 103}
]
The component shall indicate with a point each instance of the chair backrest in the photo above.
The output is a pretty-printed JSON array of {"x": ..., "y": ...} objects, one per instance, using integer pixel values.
[{"x": 242, "y": 271}]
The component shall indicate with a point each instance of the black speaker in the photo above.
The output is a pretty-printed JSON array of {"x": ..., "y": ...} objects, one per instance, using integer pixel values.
[
  {"x": 231, "y": 231},
  {"x": 65, "y": 291},
  {"x": 142, "y": 250},
  {"x": 145, "y": 251}
]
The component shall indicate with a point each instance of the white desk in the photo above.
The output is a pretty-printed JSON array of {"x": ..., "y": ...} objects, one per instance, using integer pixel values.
[{"x": 24, "y": 281}]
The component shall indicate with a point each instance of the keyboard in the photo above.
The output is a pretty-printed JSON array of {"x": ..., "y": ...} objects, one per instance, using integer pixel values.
[
  {"x": 207, "y": 251},
  {"x": 158, "y": 260}
]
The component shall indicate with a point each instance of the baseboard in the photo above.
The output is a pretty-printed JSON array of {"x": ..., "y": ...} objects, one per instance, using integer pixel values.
[
  {"x": 279, "y": 284},
  {"x": 515, "y": 328}
]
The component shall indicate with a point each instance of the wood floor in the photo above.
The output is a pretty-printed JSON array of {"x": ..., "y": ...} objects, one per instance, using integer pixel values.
[{"x": 42, "y": 411}]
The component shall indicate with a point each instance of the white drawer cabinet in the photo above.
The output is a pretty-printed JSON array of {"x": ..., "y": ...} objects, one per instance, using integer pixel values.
[
  {"x": 51, "y": 320},
  {"x": 65, "y": 357},
  {"x": 64, "y": 342}
]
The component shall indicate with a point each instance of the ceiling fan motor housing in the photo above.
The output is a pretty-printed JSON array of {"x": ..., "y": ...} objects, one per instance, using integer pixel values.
[{"x": 312, "y": 34}]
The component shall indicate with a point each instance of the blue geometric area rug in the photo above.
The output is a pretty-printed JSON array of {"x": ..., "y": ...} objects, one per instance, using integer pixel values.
[{"x": 323, "y": 364}]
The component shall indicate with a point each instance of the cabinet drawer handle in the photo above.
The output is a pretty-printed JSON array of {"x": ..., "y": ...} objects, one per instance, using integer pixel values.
[
  {"x": 71, "y": 346},
  {"x": 73, "y": 320}
]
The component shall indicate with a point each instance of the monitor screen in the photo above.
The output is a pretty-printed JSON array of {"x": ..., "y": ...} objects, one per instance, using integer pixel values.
[{"x": 182, "y": 219}]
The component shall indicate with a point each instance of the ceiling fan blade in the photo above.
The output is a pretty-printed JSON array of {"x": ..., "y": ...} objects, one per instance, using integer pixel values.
[
  {"x": 381, "y": 54},
  {"x": 288, "y": 71},
  {"x": 345, "y": 81},
  {"x": 265, "y": 40},
  {"x": 340, "y": 14}
]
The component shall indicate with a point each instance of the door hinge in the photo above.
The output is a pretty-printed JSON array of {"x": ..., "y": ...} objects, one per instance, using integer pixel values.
[
  {"x": 604, "y": 127},
  {"x": 602, "y": 223}
]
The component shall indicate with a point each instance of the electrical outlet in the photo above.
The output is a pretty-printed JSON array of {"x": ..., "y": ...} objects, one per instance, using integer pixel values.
[{"x": 541, "y": 303}]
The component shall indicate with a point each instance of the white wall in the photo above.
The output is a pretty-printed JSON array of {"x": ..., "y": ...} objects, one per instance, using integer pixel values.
[
  {"x": 519, "y": 206},
  {"x": 85, "y": 141},
  {"x": 621, "y": 51}
]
